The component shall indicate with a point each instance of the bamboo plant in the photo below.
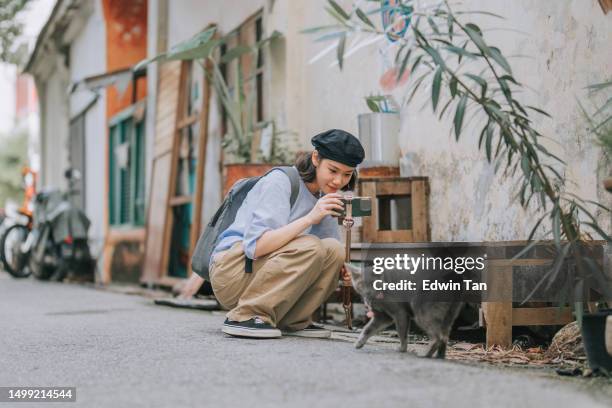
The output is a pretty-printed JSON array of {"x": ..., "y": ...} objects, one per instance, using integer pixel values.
[{"x": 466, "y": 74}]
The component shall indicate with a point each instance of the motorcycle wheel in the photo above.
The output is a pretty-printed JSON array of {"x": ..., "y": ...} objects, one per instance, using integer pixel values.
[
  {"x": 13, "y": 261},
  {"x": 39, "y": 270}
]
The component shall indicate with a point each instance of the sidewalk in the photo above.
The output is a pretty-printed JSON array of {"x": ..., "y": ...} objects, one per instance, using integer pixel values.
[{"x": 122, "y": 350}]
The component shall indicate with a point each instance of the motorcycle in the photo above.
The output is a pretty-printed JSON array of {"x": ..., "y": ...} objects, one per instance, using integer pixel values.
[{"x": 57, "y": 244}]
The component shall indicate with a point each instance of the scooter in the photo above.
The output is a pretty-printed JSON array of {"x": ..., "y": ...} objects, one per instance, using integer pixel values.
[{"x": 57, "y": 245}]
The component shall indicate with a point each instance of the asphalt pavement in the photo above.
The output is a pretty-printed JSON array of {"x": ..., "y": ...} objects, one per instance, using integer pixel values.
[{"x": 123, "y": 351}]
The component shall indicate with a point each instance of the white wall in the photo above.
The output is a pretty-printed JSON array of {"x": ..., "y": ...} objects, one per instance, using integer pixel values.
[
  {"x": 88, "y": 57},
  {"x": 8, "y": 76},
  {"x": 54, "y": 143}
]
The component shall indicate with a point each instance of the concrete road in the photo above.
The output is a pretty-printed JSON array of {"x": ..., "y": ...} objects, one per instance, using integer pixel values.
[{"x": 122, "y": 351}]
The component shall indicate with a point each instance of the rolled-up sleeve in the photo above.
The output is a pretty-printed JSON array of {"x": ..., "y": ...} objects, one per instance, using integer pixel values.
[{"x": 269, "y": 201}]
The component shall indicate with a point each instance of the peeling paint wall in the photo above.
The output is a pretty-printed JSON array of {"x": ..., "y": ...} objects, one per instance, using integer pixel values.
[{"x": 567, "y": 47}]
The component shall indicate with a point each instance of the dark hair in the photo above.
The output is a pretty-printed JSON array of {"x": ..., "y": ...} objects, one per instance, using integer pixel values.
[{"x": 308, "y": 171}]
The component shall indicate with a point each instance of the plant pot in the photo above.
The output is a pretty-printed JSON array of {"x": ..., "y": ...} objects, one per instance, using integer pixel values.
[
  {"x": 234, "y": 172},
  {"x": 378, "y": 134},
  {"x": 607, "y": 182},
  {"x": 594, "y": 327}
]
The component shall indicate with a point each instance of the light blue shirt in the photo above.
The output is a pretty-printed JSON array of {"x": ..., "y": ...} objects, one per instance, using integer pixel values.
[{"x": 266, "y": 208}]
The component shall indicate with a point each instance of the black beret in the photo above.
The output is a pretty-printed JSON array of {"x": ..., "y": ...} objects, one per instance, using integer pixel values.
[{"x": 340, "y": 146}]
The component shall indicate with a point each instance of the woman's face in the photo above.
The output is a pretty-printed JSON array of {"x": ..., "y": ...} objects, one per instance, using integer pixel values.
[{"x": 331, "y": 175}]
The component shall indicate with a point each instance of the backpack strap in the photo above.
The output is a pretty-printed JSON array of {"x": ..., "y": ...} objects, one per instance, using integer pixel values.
[{"x": 294, "y": 178}]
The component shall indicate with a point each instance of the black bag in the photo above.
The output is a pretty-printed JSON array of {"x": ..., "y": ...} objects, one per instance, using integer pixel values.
[{"x": 225, "y": 216}]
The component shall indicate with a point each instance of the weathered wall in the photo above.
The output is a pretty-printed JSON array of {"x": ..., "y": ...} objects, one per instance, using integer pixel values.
[
  {"x": 54, "y": 119},
  {"x": 88, "y": 58},
  {"x": 568, "y": 47}
]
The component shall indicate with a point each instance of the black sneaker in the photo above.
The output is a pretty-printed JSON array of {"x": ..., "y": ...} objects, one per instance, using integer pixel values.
[
  {"x": 312, "y": 331},
  {"x": 254, "y": 327}
]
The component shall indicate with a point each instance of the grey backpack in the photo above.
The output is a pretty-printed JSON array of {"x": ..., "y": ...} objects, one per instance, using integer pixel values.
[{"x": 225, "y": 216}]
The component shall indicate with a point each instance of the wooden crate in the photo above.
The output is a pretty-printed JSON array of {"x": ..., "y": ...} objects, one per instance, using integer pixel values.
[{"x": 383, "y": 188}]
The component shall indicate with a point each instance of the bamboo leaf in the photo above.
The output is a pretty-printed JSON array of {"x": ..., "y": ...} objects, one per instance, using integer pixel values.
[
  {"x": 459, "y": 114},
  {"x": 435, "y": 55},
  {"x": 489, "y": 141},
  {"x": 461, "y": 52},
  {"x": 496, "y": 54},
  {"x": 540, "y": 111},
  {"x": 435, "y": 88},
  {"x": 404, "y": 64},
  {"x": 339, "y": 9},
  {"x": 598, "y": 229},
  {"x": 363, "y": 17},
  {"x": 340, "y": 50},
  {"x": 475, "y": 34},
  {"x": 453, "y": 86}
]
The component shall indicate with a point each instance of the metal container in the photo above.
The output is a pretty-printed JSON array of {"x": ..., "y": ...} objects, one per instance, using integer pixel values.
[{"x": 378, "y": 133}]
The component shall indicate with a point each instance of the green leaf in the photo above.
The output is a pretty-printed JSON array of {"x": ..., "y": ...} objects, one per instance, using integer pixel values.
[
  {"x": 362, "y": 16},
  {"x": 505, "y": 89},
  {"x": 475, "y": 34},
  {"x": 540, "y": 111},
  {"x": 453, "y": 86},
  {"x": 339, "y": 9},
  {"x": 435, "y": 88},
  {"x": 499, "y": 58},
  {"x": 235, "y": 53},
  {"x": 312, "y": 30},
  {"x": 525, "y": 167},
  {"x": 461, "y": 52},
  {"x": 489, "y": 140},
  {"x": 340, "y": 50},
  {"x": 459, "y": 113},
  {"x": 435, "y": 55},
  {"x": 598, "y": 229},
  {"x": 198, "y": 46},
  {"x": 372, "y": 105},
  {"x": 433, "y": 25},
  {"x": 480, "y": 81},
  {"x": 404, "y": 64},
  {"x": 556, "y": 225},
  {"x": 446, "y": 105}
]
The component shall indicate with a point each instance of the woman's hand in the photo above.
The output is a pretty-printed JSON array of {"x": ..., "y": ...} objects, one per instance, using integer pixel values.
[
  {"x": 345, "y": 275},
  {"x": 329, "y": 204}
]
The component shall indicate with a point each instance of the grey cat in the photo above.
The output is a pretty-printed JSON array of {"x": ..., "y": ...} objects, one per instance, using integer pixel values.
[{"x": 434, "y": 317}]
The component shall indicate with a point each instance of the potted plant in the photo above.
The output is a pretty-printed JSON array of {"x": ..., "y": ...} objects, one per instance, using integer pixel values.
[{"x": 379, "y": 131}]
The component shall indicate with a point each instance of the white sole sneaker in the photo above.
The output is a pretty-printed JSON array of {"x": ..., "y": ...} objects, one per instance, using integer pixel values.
[
  {"x": 251, "y": 332},
  {"x": 309, "y": 333}
]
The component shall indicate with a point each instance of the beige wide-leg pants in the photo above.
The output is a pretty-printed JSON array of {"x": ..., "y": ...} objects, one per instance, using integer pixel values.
[{"x": 285, "y": 287}]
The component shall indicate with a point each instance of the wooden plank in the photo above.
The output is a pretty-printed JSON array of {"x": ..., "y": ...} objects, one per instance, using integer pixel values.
[
  {"x": 180, "y": 200},
  {"x": 196, "y": 225},
  {"x": 156, "y": 218},
  {"x": 190, "y": 120},
  {"x": 156, "y": 225},
  {"x": 368, "y": 189},
  {"x": 541, "y": 316},
  {"x": 394, "y": 188},
  {"x": 394, "y": 236},
  {"x": 378, "y": 172},
  {"x": 420, "y": 228},
  {"x": 169, "y": 214},
  {"x": 498, "y": 315},
  {"x": 116, "y": 236}
]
